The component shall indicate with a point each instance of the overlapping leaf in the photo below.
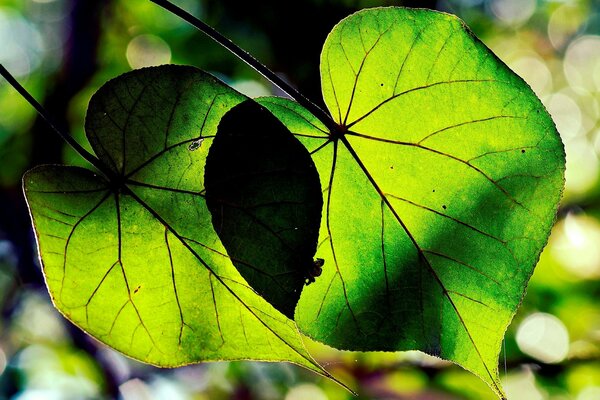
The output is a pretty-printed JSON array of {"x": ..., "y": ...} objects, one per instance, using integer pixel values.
[
  {"x": 263, "y": 191},
  {"x": 133, "y": 259},
  {"x": 440, "y": 187}
]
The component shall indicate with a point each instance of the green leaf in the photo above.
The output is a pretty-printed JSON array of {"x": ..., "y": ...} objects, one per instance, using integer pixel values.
[
  {"x": 264, "y": 194},
  {"x": 133, "y": 259},
  {"x": 441, "y": 186}
]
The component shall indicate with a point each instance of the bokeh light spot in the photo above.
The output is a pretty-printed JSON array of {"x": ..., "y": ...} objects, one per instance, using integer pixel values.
[
  {"x": 251, "y": 88},
  {"x": 52, "y": 372},
  {"x": 564, "y": 23},
  {"x": 576, "y": 246},
  {"x": 589, "y": 393},
  {"x": 565, "y": 113},
  {"x": 305, "y": 391},
  {"x": 582, "y": 63},
  {"x": 135, "y": 389},
  {"x": 535, "y": 72},
  {"x": 166, "y": 388},
  {"x": 522, "y": 386},
  {"x": 582, "y": 166},
  {"x": 3, "y": 361},
  {"x": 544, "y": 337},
  {"x": 147, "y": 50},
  {"x": 21, "y": 44},
  {"x": 513, "y": 12},
  {"x": 469, "y": 3},
  {"x": 38, "y": 320}
]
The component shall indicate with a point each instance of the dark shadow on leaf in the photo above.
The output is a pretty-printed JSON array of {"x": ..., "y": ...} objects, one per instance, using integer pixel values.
[
  {"x": 421, "y": 303},
  {"x": 264, "y": 195}
]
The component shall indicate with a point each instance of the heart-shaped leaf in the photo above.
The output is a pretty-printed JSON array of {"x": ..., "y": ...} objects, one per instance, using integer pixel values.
[
  {"x": 441, "y": 186},
  {"x": 132, "y": 257},
  {"x": 263, "y": 191}
]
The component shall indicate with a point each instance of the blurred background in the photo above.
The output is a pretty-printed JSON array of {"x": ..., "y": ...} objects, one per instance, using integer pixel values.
[{"x": 62, "y": 51}]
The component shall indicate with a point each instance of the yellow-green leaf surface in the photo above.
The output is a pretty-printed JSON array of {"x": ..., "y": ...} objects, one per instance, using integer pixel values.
[
  {"x": 133, "y": 259},
  {"x": 440, "y": 188}
]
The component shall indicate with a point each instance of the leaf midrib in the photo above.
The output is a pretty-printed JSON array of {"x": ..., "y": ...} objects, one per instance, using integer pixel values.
[{"x": 421, "y": 253}]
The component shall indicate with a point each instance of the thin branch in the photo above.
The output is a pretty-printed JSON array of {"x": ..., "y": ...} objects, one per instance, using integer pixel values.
[
  {"x": 89, "y": 157},
  {"x": 243, "y": 55}
]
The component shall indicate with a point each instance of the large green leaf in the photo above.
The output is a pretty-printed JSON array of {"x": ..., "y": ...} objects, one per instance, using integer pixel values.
[
  {"x": 133, "y": 259},
  {"x": 441, "y": 186},
  {"x": 263, "y": 191}
]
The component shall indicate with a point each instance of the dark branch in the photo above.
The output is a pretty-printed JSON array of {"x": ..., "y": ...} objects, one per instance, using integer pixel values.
[
  {"x": 89, "y": 157},
  {"x": 250, "y": 60}
]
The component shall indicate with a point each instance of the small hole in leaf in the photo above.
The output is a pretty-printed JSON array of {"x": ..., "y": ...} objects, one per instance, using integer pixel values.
[
  {"x": 381, "y": 85},
  {"x": 444, "y": 206},
  {"x": 433, "y": 190},
  {"x": 391, "y": 167},
  {"x": 195, "y": 145},
  {"x": 523, "y": 151}
]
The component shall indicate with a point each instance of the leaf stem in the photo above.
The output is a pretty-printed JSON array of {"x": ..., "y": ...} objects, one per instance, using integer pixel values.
[
  {"x": 243, "y": 55},
  {"x": 89, "y": 157}
]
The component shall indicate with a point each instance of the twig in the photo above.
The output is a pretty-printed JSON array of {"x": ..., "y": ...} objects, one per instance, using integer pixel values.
[
  {"x": 243, "y": 55},
  {"x": 89, "y": 157}
]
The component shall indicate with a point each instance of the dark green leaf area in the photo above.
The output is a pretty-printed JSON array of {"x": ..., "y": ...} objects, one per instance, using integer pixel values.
[{"x": 264, "y": 194}]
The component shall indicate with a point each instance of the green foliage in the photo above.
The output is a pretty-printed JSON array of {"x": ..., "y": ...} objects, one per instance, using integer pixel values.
[
  {"x": 442, "y": 188},
  {"x": 441, "y": 173},
  {"x": 134, "y": 260}
]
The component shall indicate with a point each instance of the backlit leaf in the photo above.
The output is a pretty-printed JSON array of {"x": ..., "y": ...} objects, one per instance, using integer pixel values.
[
  {"x": 132, "y": 258},
  {"x": 440, "y": 188}
]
